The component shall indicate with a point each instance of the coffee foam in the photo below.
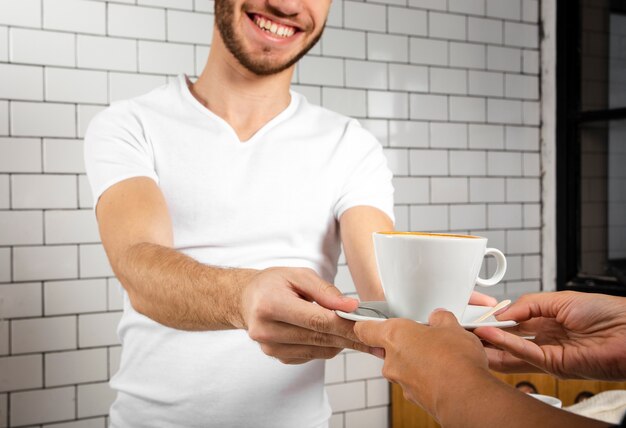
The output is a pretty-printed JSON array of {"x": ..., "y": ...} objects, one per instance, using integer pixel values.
[{"x": 433, "y": 235}]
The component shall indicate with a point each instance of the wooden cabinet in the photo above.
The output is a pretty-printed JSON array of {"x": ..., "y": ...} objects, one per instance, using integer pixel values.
[{"x": 405, "y": 414}]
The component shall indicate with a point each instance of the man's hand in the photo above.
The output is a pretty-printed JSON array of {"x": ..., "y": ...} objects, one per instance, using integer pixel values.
[
  {"x": 426, "y": 361},
  {"x": 577, "y": 335},
  {"x": 278, "y": 311},
  {"x": 481, "y": 299}
]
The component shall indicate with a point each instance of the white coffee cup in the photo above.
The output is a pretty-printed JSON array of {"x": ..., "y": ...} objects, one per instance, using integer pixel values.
[{"x": 421, "y": 272}]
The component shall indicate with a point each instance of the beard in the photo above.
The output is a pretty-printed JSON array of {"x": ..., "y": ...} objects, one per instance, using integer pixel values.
[{"x": 263, "y": 66}]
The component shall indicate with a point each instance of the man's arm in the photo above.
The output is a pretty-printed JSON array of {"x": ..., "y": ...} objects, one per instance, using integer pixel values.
[
  {"x": 162, "y": 283},
  {"x": 175, "y": 290},
  {"x": 357, "y": 225}
]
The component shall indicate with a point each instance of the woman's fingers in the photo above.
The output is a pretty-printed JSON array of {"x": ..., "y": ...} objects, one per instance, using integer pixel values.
[
  {"x": 502, "y": 361},
  {"x": 514, "y": 345}
]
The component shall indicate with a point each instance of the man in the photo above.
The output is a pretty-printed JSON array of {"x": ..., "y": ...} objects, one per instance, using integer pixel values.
[
  {"x": 221, "y": 205},
  {"x": 444, "y": 368}
]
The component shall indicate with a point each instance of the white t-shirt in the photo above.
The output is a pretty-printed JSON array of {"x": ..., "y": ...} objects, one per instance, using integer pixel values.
[{"x": 273, "y": 200}]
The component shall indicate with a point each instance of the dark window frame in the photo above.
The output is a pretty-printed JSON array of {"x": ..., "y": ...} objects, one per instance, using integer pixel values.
[{"x": 569, "y": 118}]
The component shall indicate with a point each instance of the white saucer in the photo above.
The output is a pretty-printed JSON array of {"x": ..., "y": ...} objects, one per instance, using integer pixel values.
[{"x": 471, "y": 313}]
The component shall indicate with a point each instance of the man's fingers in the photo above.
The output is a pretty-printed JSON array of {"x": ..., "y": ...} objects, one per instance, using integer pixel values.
[
  {"x": 309, "y": 284},
  {"x": 279, "y": 332},
  {"x": 287, "y": 353},
  {"x": 442, "y": 318},
  {"x": 315, "y": 317},
  {"x": 514, "y": 345},
  {"x": 481, "y": 299}
]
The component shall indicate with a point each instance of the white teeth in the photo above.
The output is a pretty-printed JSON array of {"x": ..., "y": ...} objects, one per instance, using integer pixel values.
[{"x": 274, "y": 28}]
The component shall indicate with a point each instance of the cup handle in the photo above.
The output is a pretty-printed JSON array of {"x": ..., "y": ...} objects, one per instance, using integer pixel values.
[{"x": 500, "y": 270}]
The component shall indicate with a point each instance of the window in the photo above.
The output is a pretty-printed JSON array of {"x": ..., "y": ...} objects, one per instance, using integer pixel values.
[{"x": 591, "y": 145}]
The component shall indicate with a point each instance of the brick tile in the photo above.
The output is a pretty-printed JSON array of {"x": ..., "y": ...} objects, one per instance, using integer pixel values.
[
  {"x": 74, "y": 297},
  {"x": 107, "y": 53},
  {"x": 411, "y": 190},
  {"x": 63, "y": 156},
  {"x": 79, "y": 86},
  {"x": 165, "y": 58},
  {"x": 391, "y": 105},
  {"x": 43, "y": 334},
  {"x": 54, "y": 120},
  {"x": 21, "y": 372},
  {"x": 429, "y": 218},
  {"x": 66, "y": 368},
  {"x": 24, "y": 13},
  {"x": 20, "y": 155},
  {"x": 53, "y": 262},
  {"x": 428, "y": 107},
  {"x": 21, "y": 300},
  {"x": 74, "y": 15},
  {"x": 26, "y": 82},
  {"x": 465, "y": 217},
  {"x": 429, "y": 162},
  {"x": 377, "y": 392},
  {"x": 46, "y": 405},
  {"x": 351, "y": 102},
  {"x": 446, "y": 26},
  {"x": 407, "y": 21},
  {"x": 71, "y": 227},
  {"x": 366, "y": 74},
  {"x": 449, "y": 190},
  {"x": 346, "y": 396},
  {"x": 188, "y": 27},
  {"x": 122, "y": 21},
  {"x": 404, "y": 133},
  {"x": 363, "y": 16},
  {"x": 98, "y": 329},
  {"x": 94, "y": 399},
  {"x": 42, "y": 47},
  {"x": 44, "y": 191},
  {"x": 343, "y": 43}
]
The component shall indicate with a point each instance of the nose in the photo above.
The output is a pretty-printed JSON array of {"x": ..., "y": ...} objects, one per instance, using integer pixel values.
[{"x": 285, "y": 8}]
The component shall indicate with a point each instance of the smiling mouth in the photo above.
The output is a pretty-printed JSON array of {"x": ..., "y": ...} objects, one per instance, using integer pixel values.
[{"x": 272, "y": 27}]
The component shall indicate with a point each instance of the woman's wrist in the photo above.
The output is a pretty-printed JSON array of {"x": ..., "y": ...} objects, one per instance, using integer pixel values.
[{"x": 470, "y": 391}]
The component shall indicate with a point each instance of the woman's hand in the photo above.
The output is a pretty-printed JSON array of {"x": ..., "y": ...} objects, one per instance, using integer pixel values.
[
  {"x": 577, "y": 335},
  {"x": 425, "y": 360}
]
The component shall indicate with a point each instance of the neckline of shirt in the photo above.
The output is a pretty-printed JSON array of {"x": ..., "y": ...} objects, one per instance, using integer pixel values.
[{"x": 183, "y": 81}]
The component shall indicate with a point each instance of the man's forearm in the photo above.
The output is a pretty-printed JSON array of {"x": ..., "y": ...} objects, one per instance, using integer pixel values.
[{"x": 179, "y": 292}]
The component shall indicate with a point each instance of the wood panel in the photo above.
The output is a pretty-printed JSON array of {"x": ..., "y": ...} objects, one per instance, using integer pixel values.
[
  {"x": 405, "y": 414},
  {"x": 546, "y": 385},
  {"x": 569, "y": 389}
]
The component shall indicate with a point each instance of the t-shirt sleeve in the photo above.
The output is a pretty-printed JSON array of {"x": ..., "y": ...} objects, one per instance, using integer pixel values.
[
  {"x": 367, "y": 180},
  {"x": 116, "y": 149}
]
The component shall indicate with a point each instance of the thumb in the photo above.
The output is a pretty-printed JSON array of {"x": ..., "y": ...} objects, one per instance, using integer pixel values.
[
  {"x": 442, "y": 318},
  {"x": 370, "y": 333},
  {"x": 330, "y": 297}
]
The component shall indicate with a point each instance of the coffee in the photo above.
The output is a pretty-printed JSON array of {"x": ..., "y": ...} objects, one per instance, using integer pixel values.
[
  {"x": 434, "y": 235},
  {"x": 421, "y": 272}
]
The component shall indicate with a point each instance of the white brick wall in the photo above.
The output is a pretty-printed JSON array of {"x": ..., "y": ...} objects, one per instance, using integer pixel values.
[{"x": 450, "y": 88}]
